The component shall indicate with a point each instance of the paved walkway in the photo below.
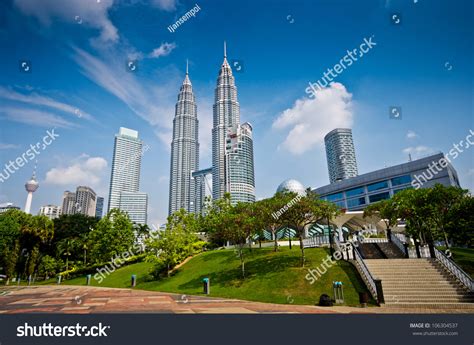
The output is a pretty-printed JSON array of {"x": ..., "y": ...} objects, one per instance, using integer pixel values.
[{"x": 87, "y": 299}]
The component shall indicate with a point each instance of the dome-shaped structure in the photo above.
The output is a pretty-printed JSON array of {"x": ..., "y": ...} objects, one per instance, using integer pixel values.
[
  {"x": 31, "y": 185},
  {"x": 291, "y": 185}
]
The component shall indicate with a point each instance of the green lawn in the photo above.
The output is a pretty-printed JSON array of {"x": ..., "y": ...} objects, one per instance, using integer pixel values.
[
  {"x": 464, "y": 257},
  {"x": 271, "y": 277}
]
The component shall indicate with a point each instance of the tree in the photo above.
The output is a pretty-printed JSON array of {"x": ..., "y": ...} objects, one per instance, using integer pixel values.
[
  {"x": 271, "y": 220},
  {"x": 309, "y": 209},
  {"x": 239, "y": 224},
  {"x": 386, "y": 210},
  {"x": 113, "y": 235},
  {"x": 442, "y": 200},
  {"x": 9, "y": 241},
  {"x": 49, "y": 266},
  {"x": 177, "y": 242},
  {"x": 460, "y": 222},
  {"x": 36, "y": 231}
]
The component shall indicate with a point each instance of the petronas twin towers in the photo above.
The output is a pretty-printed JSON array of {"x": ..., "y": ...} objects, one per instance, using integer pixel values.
[{"x": 232, "y": 148}]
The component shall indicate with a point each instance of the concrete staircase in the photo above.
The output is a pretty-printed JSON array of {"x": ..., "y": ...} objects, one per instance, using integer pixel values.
[
  {"x": 371, "y": 251},
  {"x": 419, "y": 283}
]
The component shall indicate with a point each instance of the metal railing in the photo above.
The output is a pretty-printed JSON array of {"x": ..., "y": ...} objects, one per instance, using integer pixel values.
[
  {"x": 424, "y": 252},
  {"x": 345, "y": 249},
  {"x": 365, "y": 273},
  {"x": 315, "y": 241},
  {"x": 455, "y": 270},
  {"x": 375, "y": 240},
  {"x": 398, "y": 242}
]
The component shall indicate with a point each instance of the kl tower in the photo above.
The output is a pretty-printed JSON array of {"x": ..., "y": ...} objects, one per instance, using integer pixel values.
[{"x": 31, "y": 186}]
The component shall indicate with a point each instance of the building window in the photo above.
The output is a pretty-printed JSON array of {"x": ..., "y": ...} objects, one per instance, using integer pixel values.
[
  {"x": 355, "y": 202},
  {"x": 335, "y": 196},
  {"x": 400, "y": 189},
  {"x": 377, "y": 186},
  {"x": 354, "y": 192},
  {"x": 401, "y": 180},
  {"x": 378, "y": 197}
]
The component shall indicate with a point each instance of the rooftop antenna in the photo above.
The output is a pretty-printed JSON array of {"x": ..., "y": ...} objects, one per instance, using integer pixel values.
[
  {"x": 409, "y": 157},
  {"x": 187, "y": 64},
  {"x": 34, "y": 170},
  {"x": 225, "y": 50}
]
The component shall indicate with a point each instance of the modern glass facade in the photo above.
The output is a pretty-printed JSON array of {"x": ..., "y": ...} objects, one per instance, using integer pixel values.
[
  {"x": 184, "y": 151},
  {"x": 356, "y": 193},
  {"x": 125, "y": 175},
  {"x": 239, "y": 164},
  {"x": 232, "y": 168},
  {"x": 340, "y": 154}
]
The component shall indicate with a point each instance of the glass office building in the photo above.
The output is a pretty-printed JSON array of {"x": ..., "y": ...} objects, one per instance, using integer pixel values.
[{"x": 356, "y": 193}]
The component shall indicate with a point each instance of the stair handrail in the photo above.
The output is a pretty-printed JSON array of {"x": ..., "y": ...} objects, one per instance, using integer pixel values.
[
  {"x": 364, "y": 270},
  {"x": 397, "y": 241},
  {"x": 457, "y": 271}
]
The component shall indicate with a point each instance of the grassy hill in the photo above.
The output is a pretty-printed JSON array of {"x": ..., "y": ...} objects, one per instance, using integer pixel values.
[{"x": 271, "y": 277}]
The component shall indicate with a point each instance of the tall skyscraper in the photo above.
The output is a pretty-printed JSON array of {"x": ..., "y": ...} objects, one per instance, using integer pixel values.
[
  {"x": 99, "y": 207},
  {"x": 135, "y": 204},
  {"x": 69, "y": 201},
  {"x": 125, "y": 175},
  {"x": 239, "y": 163},
  {"x": 340, "y": 154},
  {"x": 184, "y": 150},
  {"x": 86, "y": 201},
  {"x": 31, "y": 186},
  {"x": 226, "y": 128}
]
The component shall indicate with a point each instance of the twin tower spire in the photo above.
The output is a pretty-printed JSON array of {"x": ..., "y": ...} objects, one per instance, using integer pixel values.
[{"x": 232, "y": 147}]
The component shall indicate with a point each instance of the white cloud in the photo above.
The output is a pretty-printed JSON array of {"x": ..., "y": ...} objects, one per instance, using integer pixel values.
[
  {"x": 35, "y": 117},
  {"x": 166, "y": 5},
  {"x": 35, "y": 99},
  {"x": 84, "y": 170},
  {"x": 90, "y": 12},
  {"x": 4, "y": 146},
  {"x": 418, "y": 150},
  {"x": 411, "y": 135},
  {"x": 311, "y": 119},
  {"x": 163, "y": 50},
  {"x": 149, "y": 99}
]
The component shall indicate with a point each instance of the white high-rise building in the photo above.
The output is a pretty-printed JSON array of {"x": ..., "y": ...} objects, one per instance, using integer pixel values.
[
  {"x": 69, "y": 200},
  {"x": 50, "y": 211},
  {"x": 184, "y": 150},
  {"x": 86, "y": 201},
  {"x": 340, "y": 154},
  {"x": 126, "y": 164},
  {"x": 239, "y": 163},
  {"x": 135, "y": 204},
  {"x": 226, "y": 129}
]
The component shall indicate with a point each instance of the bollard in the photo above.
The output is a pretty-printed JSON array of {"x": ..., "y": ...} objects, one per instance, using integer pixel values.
[
  {"x": 88, "y": 279},
  {"x": 29, "y": 280},
  {"x": 59, "y": 279},
  {"x": 338, "y": 292},
  {"x": 134, "y": 280},
  {"x": 206, "y": 286}
]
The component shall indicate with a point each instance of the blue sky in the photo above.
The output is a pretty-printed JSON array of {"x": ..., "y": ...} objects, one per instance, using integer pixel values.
[{"x": 79, "y": 84}]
